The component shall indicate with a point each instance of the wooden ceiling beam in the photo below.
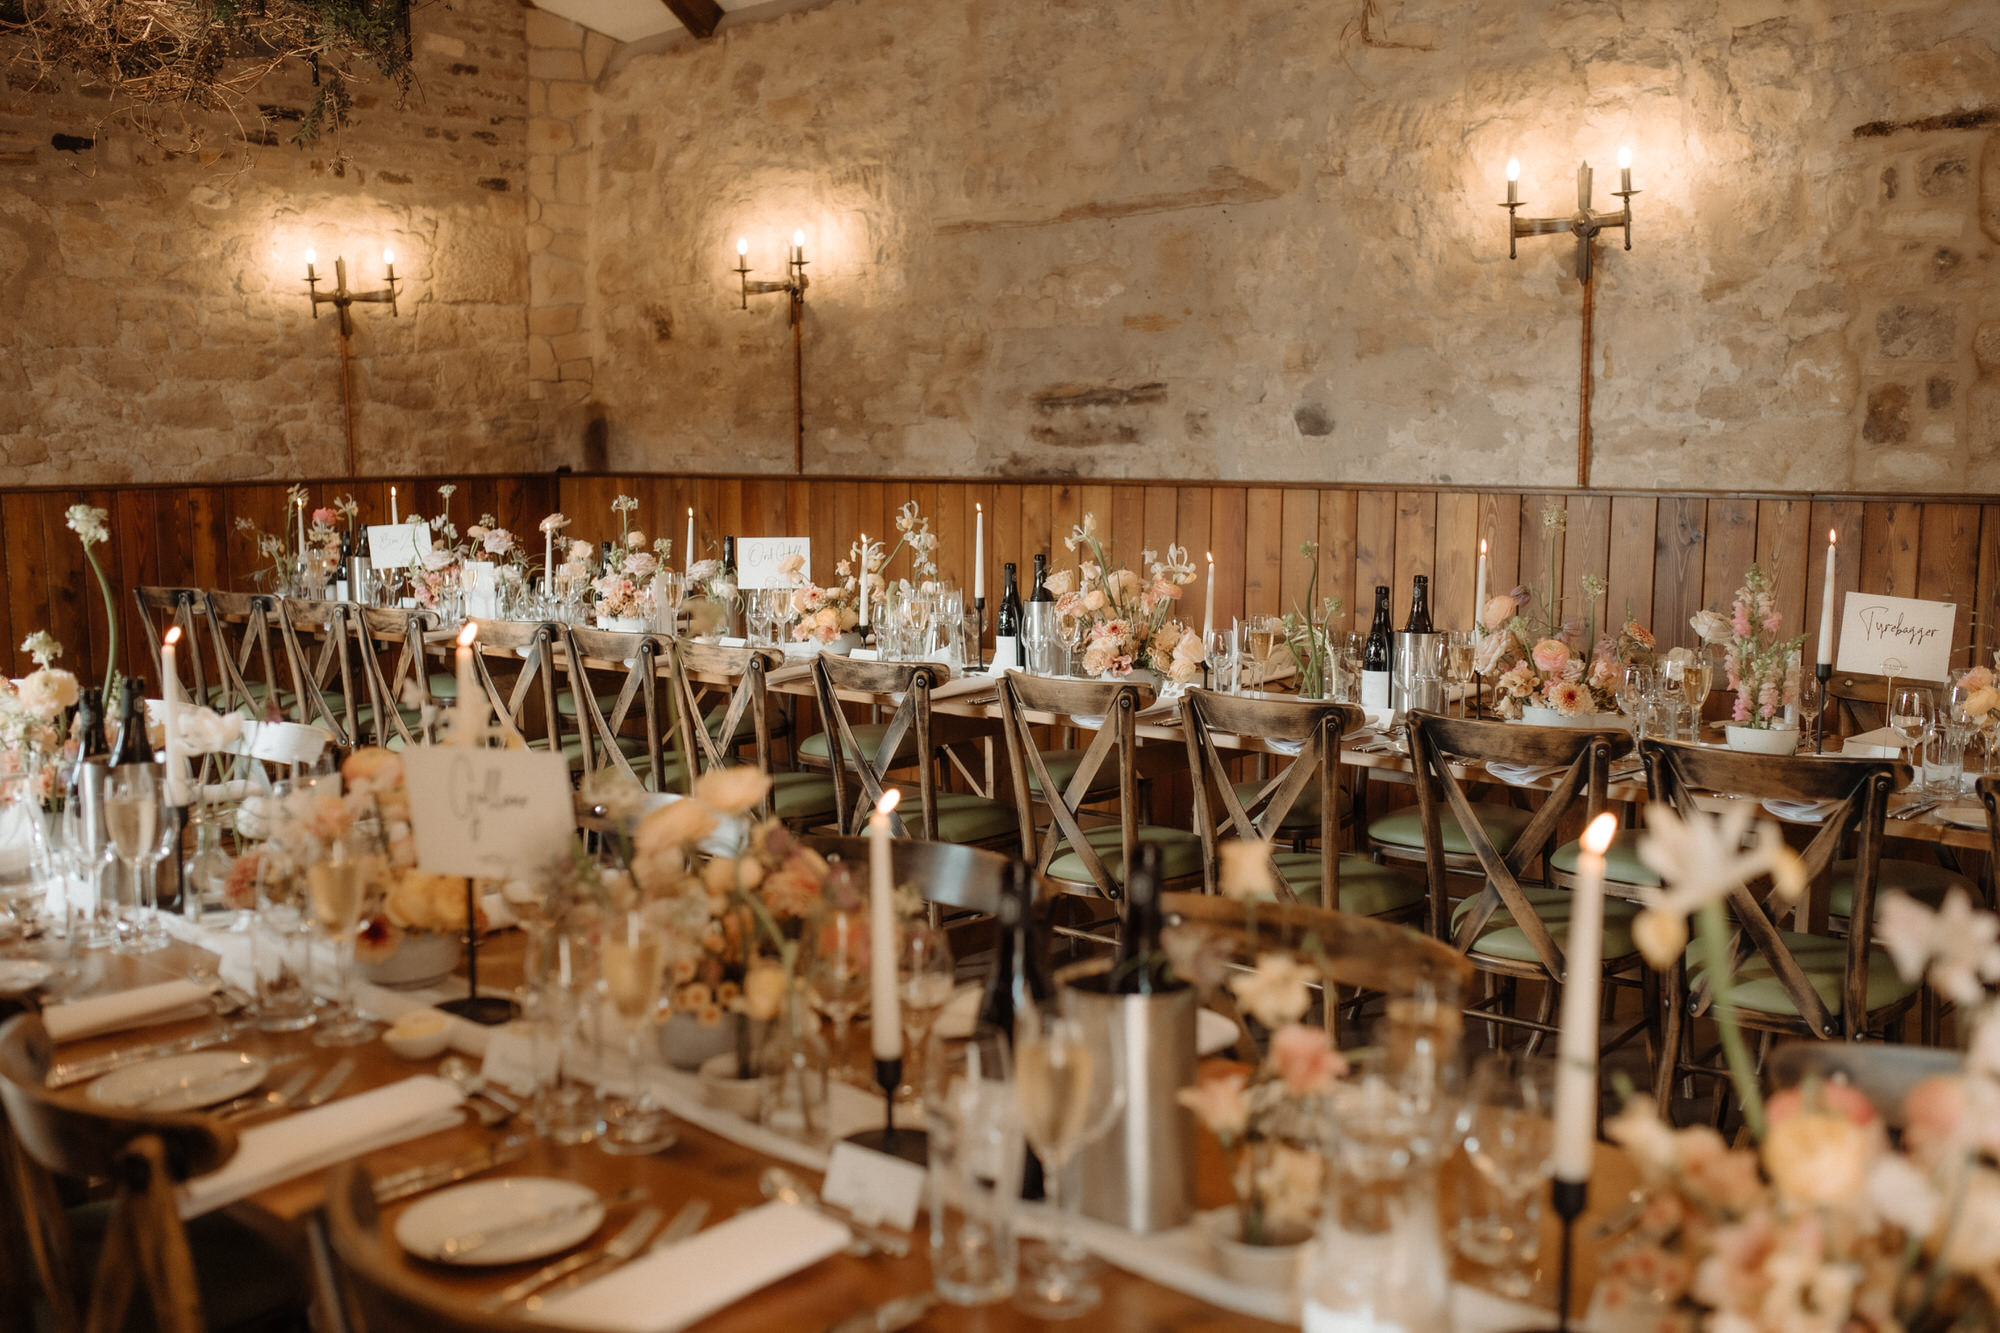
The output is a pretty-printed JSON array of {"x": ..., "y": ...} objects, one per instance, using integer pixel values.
[{"x": 697, "y": 16}]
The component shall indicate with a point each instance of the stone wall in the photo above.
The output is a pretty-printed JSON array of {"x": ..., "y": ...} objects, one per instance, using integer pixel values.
[
  {"x": 155, "y": 320},
  {"x": 1258, "y": 239}
]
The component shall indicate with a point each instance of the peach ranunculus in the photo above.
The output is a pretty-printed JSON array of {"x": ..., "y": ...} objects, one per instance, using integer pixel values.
[
  {"x": 1095, "y": 600},
  {"x": 1498, "y": 611},
  {"x": 1567, "y": 697},
  {"x": 1982, "y": 701},
  {"x": 1097, "y": 658},
  {"x": 1123, "y": 585},
  {"x": 1817, "y": 1157},
  {"x": 732, "y": 791},
  {"x": 793, "y": 567},
  {"x": 1069, "y": 606},
  {"x": 1305, "y": 1059},
  {"x": 1551, "y": 655},
  {"x": 1060, "y": 583},
  {"x": 1220, "y": 1104},
  {"x": 763, "y": 994}
]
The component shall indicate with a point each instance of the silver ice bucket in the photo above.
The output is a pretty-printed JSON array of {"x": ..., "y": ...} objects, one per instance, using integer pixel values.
[{"x": 1139, "y": 1174}]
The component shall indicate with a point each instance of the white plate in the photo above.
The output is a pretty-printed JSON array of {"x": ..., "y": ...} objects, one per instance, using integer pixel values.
[
  {"x": 487, "y": 1205},
  {"x": 1963, "y": 816},
  {"x": 23, "y": 974},
  {"x": 179, "y": 1082},
  {"x": 1213, "y": 1033}
]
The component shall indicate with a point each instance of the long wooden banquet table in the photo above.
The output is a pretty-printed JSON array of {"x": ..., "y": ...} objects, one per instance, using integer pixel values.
[{"x": 709, "y": 1166}]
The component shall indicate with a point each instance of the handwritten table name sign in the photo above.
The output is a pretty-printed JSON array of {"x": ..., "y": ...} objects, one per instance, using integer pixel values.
[
  {"x": 758, "y": 558},
  {"x": 492, "y": 813},
  {"x": 1900, "y": 636},
  {"x": 397, "y": 545}
]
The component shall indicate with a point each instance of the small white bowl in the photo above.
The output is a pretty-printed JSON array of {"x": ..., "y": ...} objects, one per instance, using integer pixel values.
[
  {"x": 722, "y": 1089},
  {"x": 420, "y": 1035}
]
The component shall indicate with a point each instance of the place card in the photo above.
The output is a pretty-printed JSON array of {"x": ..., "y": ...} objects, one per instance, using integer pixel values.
[
  {"x": 1896, "y": 636},
  {"x": 511, "y": 1061},
  {"x": 758, "y": 558},
  {"x": 865, "y": 655},
  {"x": 879, "y": 1190},
  {"x": 488, "y": 813},
  {"x": 397, "y": 545}
]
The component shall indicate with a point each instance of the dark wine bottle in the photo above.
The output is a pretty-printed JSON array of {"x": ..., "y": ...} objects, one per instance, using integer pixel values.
[
  {"x": 1040, "y": 648},
  {"x": 607, "y": 557},
  {"x": 1007, "y": 622},
  {"x": 1377, "y": 655},
  {"x": 1140, "y": 966},
  {"x": 1040, "y": 592},
  {"x": 732, "y": 613},
  {"x": 1020, "y": 979},
  {"x": 89, "y": 725},
  {"x": 1420, "y": 606},
  {"x": 133, "y": 745}
]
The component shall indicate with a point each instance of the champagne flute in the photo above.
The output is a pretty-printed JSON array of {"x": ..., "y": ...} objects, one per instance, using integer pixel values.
[
  {"x": 633, "y": 964},
  {"x": 837, "y": 975},
  {"x": 132, "y": 822},
  {"x": 1067, "y": 1094},
  {"x": 1260, "y": 638},
  {"x": 925, "y": 979},
  {"x": 336, "y": 887}
]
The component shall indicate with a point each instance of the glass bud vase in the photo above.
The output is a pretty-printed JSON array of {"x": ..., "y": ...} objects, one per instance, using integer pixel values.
[{"x": 793, "y": 1063}]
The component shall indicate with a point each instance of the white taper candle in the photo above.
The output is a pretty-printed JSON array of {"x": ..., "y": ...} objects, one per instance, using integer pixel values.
[
  {"x": 1826, "y": 603},
  {"x": 885, "y": 1012},
  {"x": 1576, "y": 1049}
]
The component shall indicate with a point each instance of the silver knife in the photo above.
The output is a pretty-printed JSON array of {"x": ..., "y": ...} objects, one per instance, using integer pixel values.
[
  {"x": 467, "y": 1242},
  {"x": 619, "y": 1248},
  {"x": 329, "y": 1083},
  {"x": 422, "y": 1179},
  {"x": 686, "y": 1222},
  {"x": 68, "y": 1074},
  {"x": 889, "y": 1317}
]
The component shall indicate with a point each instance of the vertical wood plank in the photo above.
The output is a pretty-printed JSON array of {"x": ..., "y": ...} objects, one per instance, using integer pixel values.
[
  {"x": 1457, "y": 565},
  {"x": 1730, "y": 544},
  {"x": 1784, "y": 551},
  {"x": 1948, "y": 568},
  {"x": 1677, "y": 569},
  {"x": 1629, "y": 575},
  {"x": 1544, "y": 520},
  {"x": 1336, "y": 552},
  {"x": 1262, "y": 541},
  {"x": 1416, "y": 545},
  {"x": 1298, "y": 523},
  {"x": 1374, "y": 551},
  {"x": 1844, "y": 518},
  {"x": 1986, "y": 600},
  {"x": 1889, "y": 530}
]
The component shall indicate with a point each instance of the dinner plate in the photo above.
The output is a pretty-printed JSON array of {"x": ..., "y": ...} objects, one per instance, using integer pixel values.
[
  {"x": 1963, "y": 816},
  {"x": 23, "y": 974},
  {"x": 501, "y": 1206},
  {"x": 179, "y": 1082}
]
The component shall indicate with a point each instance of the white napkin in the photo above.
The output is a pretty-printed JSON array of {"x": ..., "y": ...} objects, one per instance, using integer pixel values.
[
  {"x": 1286, "y": 747},
  {"x": 1522, "y": 775},
  {"x": 283, "y": 1149},
  {"x": 160, "y": 1003},
  {"x": 952, "y": 689},
  {"x": 791, "y": 671},
  {"x": 1801, "y": 812},
  {"x": 683, "y": 1283}
]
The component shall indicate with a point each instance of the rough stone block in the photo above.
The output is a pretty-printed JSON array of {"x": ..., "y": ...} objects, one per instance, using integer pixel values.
[
  {"x": 1939, "y": 391},
  {"x": 541, "y": 359},
  {"x": 555, "y": 64},
  {"x": 597, "y": 49},
  {"x": 575, "y": 370},
  {"x": 1888, "y": 419},
  {"x": 1945, "y": 174},
  {"x": 552, "y": 320},
  {"x": 556, "y": 281},
  {"x": 570, "y": 346},
  {"x": 569, "y": 99},
  {"x": 1932, "y": 225},
  {"x": 572, "y": 183},
  {"x": 1986, "y": 350},
  {"x": 1917, "y": 332},
  {"x": 552, "y": 31},
  {"x": 546, "y": 134}
]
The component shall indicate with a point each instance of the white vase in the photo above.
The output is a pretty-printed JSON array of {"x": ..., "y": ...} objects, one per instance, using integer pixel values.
[
  {"x": 843, "y": 644},
  {"x": 424, "y": 958},
  {"x": 624, "y": 624},
  {"x": 687, "y": 1043},
  {"x": 1266, "y": 1267},
  {"x": 1536, "y": 715},
  {"x": 1763, "y": 740},
  {"x": 722, "y": 1089}
]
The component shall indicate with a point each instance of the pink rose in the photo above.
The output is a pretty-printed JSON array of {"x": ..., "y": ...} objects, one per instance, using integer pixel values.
[
  {"x": 1551, "y": 655},
  {"x": 1497, "y": 611},
  {"x": 1305, "y": 1059},
  {"x": 326, "y": 516}
]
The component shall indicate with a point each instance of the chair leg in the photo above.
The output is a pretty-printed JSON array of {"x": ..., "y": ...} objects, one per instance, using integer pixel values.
[
  {"x": 1672, "y": 1032},
  {"x": 1544, "y": 1011}
]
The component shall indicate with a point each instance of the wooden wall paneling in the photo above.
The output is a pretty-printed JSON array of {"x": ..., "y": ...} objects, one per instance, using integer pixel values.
[
  {"x": 1787, "y": 553},
  {"x": 1500, "y": 524},
  {"x": 1336, "y": 554},
  {"x": 1250, "y": 523},
  {"x": 1543, "y": 520},
  {"x": 1948, "y": 568},
  {"x": 1629, "y": 574},
  {"x": 27, "y": 591},
  {"x": 1457, "y": 567},
  {"x": 730, "y": 508},
  {"x": 1162, "y": 517},
  {"x": 1677, "y": 569},
  {"x": 1003, "y": 542},
  {"x": 1065, "y": 512},
  {"x": 1374, "y": 551},
  {"x": 1036, "y": 529},
  {"x": 1125, "y": 512},
  {"x": 208, "y": 542},
  {"x": 75, "y": 612},
  {"x": 1298, "y": 523},
  {"x": 844, "y": 523},
  {"x": 136, "y": 552},
  {"x": 1587, "y": 550},
  {"x": 1416, "y": 546},
  {"x": 1890, "y": 532},
  {"x": 1193, "y": 527},
  {"x": 1729, "y": 546},
  {"x": 1845, "y": 519},
  {"x": 1986, "y": 600},
  {"x": 1096, "y": 499}
]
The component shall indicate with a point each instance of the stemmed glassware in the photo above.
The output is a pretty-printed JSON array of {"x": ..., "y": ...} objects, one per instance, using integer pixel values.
[
  {"x": 1065, "y": 1100},
  {"x": 633, "y": 963},
  {"x": 948, "y": 621},
  {"x": 1509, "y": 1142},
  {"x": 1635, "y": 689},
  {"x": 336, "y": 888},
  {"x": 837, "y": 972},
  {"x": 1910, "y": 717},
  {"x": 1224, "y": 668},
  {"x": 132, "y": 821},
  {"x": 925, "y": 978}
]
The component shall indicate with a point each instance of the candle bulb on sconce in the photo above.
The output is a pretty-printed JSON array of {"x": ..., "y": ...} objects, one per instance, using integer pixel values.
[
  {"x": 389, "y": 263},
  {"x": 794, "y": 286},
  {"x": 312, "y": 257},
  {"x": 1513, "y": 180},
  {"x": 340, "y": 298}
]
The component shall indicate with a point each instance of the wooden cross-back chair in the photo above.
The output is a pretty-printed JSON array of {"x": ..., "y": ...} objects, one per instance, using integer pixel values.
[
  {"x": 399, "y": 697},
  {"x": 239, "y": 630},
  {"x": 1302, "y": 799},
  {"x": 160, "y": 609},
  {"x": 1512, "y": 928},
  {"x": 1860, "y": 702},
  {"x": 1801, "y": 982},
  {"x": 605, "y": 741},
  {"x": 909, "y": 739},
  {"x": 965, "y": 879},
  {"x": 1088, "y": 862},
  {"x": 525, "y": 707},
  {"x": 314, "y": 637},
  {"x": 147, "y": 1254},
  {"x": 712, "y": 738}
]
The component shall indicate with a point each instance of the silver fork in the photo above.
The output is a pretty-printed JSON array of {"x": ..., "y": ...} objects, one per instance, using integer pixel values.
[
  {"x": 279, "y": 1096},
  {"x": 628, "y": 1242}
]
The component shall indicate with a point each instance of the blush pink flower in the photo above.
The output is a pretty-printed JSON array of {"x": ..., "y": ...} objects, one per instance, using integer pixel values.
[
  {"x": 1305, "y": 1059},
  {"x": 1551, "y": 655},
  {"x": 1220, "y": 1104}
]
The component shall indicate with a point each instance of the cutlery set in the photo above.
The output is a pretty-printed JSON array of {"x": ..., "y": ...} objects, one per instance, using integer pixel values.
[
  {"x": 297, "y": 1093},
  {"x": 587, "y": 1265}
]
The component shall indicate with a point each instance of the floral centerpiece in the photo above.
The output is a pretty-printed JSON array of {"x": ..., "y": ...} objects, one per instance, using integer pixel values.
[
  {"x": 35, "y": 717},
  {"x": 824, "y": 614},
  {"x": 1126, "y": 620},
  {"x": 625, "y": 592},
  {"x": 1761, "y": 669},
  {"x": 1822, "y": 1221},
  {"x": 1308, "y": 631}
]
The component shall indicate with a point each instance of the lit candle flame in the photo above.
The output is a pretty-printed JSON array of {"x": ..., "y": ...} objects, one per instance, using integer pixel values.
[
  {"x": 468, "y": 634},
  {"x": 312, "y": 256},
  {"x": 1513, "y": 168},
  {"x": 173, "y": 636},
  {"x": 1482, "y": 546},
  {"x": 389, "y": 257},
  {"x": 799, "y": 239},
  {"x": 1625, "y": 158},
  {"x": 1831, "y": 539},
  {"x": 890, "y": 799},
  {"x": 742, "y": 245},
  {"x": 1597, "y": 838}
]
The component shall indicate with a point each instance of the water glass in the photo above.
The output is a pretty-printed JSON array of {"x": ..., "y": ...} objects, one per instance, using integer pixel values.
[
  {"x": 1224, "y": 667},
  {"x": 1944, "y": 758},
  {"x": 133, "y": 822},
  {"x": 976, "y": 1160},
  {"x": 562, "y": 1030},
  {"x": 632, "y": 968},
  {"x": 281, "y": 950},
  {"x": 1509, "y": 1141}
]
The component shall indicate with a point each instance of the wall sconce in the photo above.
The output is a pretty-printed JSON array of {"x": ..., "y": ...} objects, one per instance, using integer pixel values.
[
  {"x": 340, "y": 298},
  {"x": 1585, "y": 224},
  {"x": 795, "y": 285}
]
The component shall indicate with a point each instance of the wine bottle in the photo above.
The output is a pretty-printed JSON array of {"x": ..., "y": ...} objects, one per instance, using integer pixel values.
[
  {"x": 1420, "y": 606},
  {"x": 1020, "y": 978},
  {"x": 1038, "y": 622},
  {"x": 341, "y": 589},
  {"x": 1007, "y": 623},
  {"x": 88, "y": 726},
  {"x": 1377, "y": 655},
  {"x": 732, "y": 611},
  {"x": 133, "y": 745},
  {"x": 607, "y": 557},
  {"x": 1140, "y": 966}
]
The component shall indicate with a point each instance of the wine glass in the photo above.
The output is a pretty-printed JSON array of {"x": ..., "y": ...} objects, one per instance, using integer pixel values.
[
  {"x": 975, "y": 1164},
  {"x": 1067, "y": 1093},
  {"x": 1260, "y": 639},
  {"x": 837, "y": 973},
  {"x": 1910, "y": 715},
  {"x": 633, "y": 964},
  {"x": 1635, "y": 687},
  {"x": 132, "y": 823},
  {"x": 336, "y": 887},
  {"x": 925, "y": 979},
  {"x": 1509, "y": 1143},
  {"x": 1697, "y": 679}
]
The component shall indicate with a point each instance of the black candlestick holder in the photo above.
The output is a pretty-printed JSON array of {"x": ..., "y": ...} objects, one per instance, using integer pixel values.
[
  {"x": 1568, "y": 1198},
  {"x": 979, "y": 632},
  {"x": 177, "y": 820},
  {"x": 1823, "y": 672},
  {"x": 912, "y": 1145},
  {"x": 486, "y": 1010}
]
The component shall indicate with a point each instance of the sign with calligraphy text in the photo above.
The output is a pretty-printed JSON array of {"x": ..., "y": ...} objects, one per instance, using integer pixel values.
[
  {"x": 397, "y": 545},
  {"x": 1896, "y": 636},
  {"x": 497, "y": 813},
  {"x": 758, "y": 558}
]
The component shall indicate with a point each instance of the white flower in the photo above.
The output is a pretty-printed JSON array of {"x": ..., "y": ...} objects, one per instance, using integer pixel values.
[
  {"x": 42, "y": 647},
  {"x": 47, "y": 692},
  {"x": 1245, "y": 869},
  {"x": 89, "y": 523},
  {"x": 448, "y": 490},
  {"x": 554, "y": 523},
  {"x": 624, "y": 504},
  {"x": 1701, "y": 861},
  {"x": 1276, "y": 993},
  {"x": 205, "y": 731},
  {"x": 1710, "y": 626},
  {"x": 1902, "y": 1195},
  {"x": 1958, "y": 946}
]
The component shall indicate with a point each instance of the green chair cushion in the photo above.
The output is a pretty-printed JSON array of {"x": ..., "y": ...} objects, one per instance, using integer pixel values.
[
  {"x": 963, "y": 817},
  {"x": 867, "y": 735},
  {"x": 1303, "y": 817},
  {"x": 1062, "y": 765},
  {"x": 802, "y": 796},
  {"x": 1367, "y": 888},
  {"x": 746, "y": 726},
  {"x": 632, "y": 747},
  {"x": 1823, "y": 958},
  {"x": 1504, "y": 824},
  {"x": 1180, "y": 853},
  {"x": 1925, "y": 881},
  {"x": 1503, "y": 939},
  {"x": 444, "y": 685},
  {"x": 566, "y": 703},
  {"x": 1621, "y": 862}
]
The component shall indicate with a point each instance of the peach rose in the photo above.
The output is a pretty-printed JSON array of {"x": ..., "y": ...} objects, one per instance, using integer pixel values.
[
  {"x": 1497, "y": 611},
  {"x": 1551, "y": 655}
]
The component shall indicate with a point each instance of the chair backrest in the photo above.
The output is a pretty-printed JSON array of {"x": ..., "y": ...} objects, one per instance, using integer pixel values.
[
  {"x": 1861, "y": 702},
  {"x": 383, "y": 1295},
  {"x": 532, "y": 646},
  {"x": 314, "y": 637},
  {"x": 1437, "y": 743},
  {"x": 914, "y": 682},
  {"x": 966, "y": 878},
  {"x": 1680, "y": 771},
  {"x": 160, "y": 609},
  {"x": 1360, "y": 951},
  {"x": 377, "y": 631},
  {"x": 702, "y": 668},
  {"x": 1030, "y": 701},
  {"x": 239, "y": 628},
  {"x": 639, "y": 656},
  {"x": 1313, "y": 725},
  {"x": 1989, "y": 796},
  {"x": 145, "y": 1156}
]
